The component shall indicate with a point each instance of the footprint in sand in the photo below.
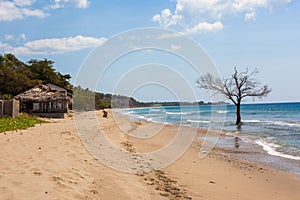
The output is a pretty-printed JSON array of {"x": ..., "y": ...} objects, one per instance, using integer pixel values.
[
  {"x": 60, "y": 181},
  {"x": 36, "y": 171},
  {"x": 166, "y": 186}
]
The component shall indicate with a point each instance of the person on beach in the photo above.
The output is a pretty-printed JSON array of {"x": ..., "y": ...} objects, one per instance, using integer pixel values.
[{"x": 105, "y": 114}]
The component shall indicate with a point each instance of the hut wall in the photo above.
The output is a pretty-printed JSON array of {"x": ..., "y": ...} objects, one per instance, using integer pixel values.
[
  {"x": 44, "y": 99},
  {"x": 50, "y": 107},
  {"x": 9, "y": 108},
  {"x": 58, "y": 107},
  {"x": 16, "y": 108},
  {"x": 36, "y": 106}
]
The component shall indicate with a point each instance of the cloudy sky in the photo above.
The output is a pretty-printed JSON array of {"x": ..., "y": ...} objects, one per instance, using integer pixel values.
[{"x": 263, "y": 34}]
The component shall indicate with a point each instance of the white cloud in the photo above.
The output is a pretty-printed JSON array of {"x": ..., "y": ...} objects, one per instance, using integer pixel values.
[
  {"x": 22, "y": 36},
  {"x": 10, "y": 11},
  {"x": 194, "y": 14},
  {"x": 4, "y": 48},
  {"x": 169, "y": 35},
  {"x": 205, "y": 27},
  {"x": 246, "y": 5},
  {"x": 23, "y": 2},
  {"x": 33, "y": 13},
  {"x": 250, "y": 16},
  {"x": 166, "y": 18},
  {"x": 175, "y": 47},
  {"x": 70, "y": 3},
  {"x": 54, "y": 45},
  {"x": 8, "y": 37},
  {"x": 20, "y": 9}
]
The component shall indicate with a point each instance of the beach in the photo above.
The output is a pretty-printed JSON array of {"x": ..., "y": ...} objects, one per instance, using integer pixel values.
[{"x": 50, "y": 161}]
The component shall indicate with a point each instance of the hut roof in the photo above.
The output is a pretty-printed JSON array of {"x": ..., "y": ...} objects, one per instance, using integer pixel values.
[
  {"x": 56, "y": 87},
  {"x": 41, "y": 93}
]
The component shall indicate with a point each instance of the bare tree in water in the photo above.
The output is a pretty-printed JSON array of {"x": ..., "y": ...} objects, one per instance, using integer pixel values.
[{"x": 235, "y": 88}]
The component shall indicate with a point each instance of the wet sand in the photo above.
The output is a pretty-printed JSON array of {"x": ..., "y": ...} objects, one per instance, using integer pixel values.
[{"x": 50, "y": 161}]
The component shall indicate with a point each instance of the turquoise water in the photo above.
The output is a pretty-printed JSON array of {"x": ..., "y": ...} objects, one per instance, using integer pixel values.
[{"x": 275, "y": 127}]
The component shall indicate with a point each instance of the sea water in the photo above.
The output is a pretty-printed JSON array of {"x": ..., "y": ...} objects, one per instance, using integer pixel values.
[{"x": 275, "y": 127}]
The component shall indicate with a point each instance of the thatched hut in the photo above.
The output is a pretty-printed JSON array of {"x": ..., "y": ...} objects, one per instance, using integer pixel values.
[{"x": 44, "y": 100}]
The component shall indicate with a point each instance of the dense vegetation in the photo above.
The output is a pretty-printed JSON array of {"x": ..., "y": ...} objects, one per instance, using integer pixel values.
[
  {"x": 21, "y": 122},
  {"x": 17, "y": 76},
  {"x": 89, "y": 100}
]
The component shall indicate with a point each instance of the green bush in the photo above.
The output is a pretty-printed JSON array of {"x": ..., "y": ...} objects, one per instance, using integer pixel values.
[{"x": 21, "y": 122}]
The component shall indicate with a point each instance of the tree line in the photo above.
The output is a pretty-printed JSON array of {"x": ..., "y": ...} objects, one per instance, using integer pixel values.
[
  {"x": 17, "y": 76},
  {"x": 84, "y": 98}
]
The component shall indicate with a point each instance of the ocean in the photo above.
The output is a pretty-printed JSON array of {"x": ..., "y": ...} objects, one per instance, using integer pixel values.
[{"x": 275, "y": 126}]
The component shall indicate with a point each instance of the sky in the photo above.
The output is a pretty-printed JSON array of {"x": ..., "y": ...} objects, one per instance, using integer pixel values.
[{"x": 262, "y": 34}]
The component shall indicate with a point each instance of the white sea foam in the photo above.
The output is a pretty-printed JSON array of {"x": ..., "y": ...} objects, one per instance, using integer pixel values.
[
  {"x": 155, "y": 109},
  {"x": 222, "y": 111},
  {"x": 253, "y": 121},
  {"x": 125, "y": 112},
  {"x": 178, "y": 113},
  {"x": 197, "y": 121},
  {"x": 141, "y": 117},
  {"x": 244, "y": 138},
  {"x": 276, "y": 123},
  {"x": 290, "y": 124},
  {"x": 270, "y": 148},
  {"x": 150, "y": 120}
]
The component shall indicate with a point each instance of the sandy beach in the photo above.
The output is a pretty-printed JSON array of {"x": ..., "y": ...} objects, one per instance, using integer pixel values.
[{"x": 50, "y": 161}]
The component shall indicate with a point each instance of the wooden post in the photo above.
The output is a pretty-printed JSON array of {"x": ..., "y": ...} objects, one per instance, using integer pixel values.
[
  {"x": 15, "y": 108},
  {"x": 1, "y": 108}
]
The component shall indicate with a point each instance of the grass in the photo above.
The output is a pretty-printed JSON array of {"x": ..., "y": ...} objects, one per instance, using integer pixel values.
[{"x": 21, "y": 122}]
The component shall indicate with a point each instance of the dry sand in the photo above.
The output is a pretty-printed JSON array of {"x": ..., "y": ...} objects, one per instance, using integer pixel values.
[{"x": 50, "y": 161}]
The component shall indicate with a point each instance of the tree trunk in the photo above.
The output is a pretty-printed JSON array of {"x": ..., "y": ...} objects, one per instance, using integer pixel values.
[{"x": 238, "y": 114}]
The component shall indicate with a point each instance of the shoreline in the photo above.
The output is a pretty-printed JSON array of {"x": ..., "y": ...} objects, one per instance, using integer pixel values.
[
  {"x": 255, "y": 153},
  {"x": 273, "y": 158},
  {"x": 50, "y": 161}
]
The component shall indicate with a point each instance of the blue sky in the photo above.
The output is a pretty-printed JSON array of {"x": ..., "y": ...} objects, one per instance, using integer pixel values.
[{"x": 263, "y": 34}]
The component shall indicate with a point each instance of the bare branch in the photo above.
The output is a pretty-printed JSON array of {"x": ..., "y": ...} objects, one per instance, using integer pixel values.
[
  {"x": 235, "y": 88},
  {"x": 261, "y": 92}
]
